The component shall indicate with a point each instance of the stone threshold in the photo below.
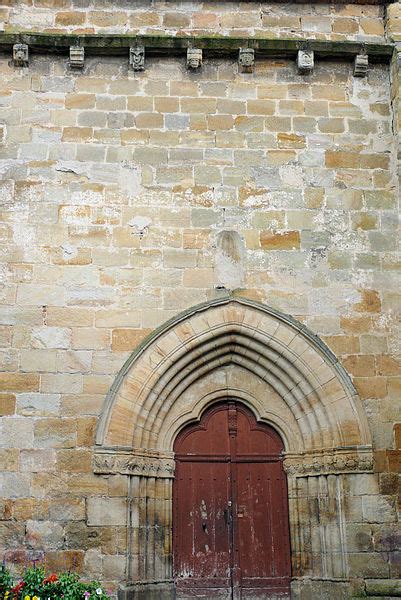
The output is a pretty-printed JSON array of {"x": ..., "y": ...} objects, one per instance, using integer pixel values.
[{"x": 213, "y": 46}]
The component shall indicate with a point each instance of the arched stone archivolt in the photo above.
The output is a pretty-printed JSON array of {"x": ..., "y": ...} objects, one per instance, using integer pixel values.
[
  {"x": 162, "y": 385},
  {"x": 237, "y": 349}
]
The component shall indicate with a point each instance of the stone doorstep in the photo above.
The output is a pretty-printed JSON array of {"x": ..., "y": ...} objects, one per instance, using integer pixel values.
[{"x": 390, "y": 588}]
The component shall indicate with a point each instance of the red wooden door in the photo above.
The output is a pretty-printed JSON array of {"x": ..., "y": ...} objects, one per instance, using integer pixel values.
[{"x": 230, "y": 528}]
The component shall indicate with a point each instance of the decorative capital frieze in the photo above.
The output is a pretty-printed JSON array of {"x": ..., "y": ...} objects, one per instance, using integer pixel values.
[
  {"x": 125, "y": 463},
  {"x": 21, "y": 55},
  {"x": 305, "y": 61},
  {"x": 329, "y": 462},
  {"x": 137, "y": 58},
  {"x": 246, "y": 60},
  {"x": 77, "y": 57},
  {"x": 194, "y": 58},
  {"x": 361, "y": 65}
]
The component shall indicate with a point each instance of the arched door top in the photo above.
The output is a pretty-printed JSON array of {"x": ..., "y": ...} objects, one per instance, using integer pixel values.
[{"x": 232, "y": 347}]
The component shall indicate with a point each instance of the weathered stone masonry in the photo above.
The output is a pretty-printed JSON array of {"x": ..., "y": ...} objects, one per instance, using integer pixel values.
[{"x": 268, "y": 192}]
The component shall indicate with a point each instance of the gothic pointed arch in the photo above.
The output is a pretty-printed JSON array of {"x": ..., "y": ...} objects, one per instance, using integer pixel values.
[{"x": 232, "y": 347}]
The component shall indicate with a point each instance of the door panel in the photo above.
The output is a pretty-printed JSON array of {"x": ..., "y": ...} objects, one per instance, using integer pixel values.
[
  {"x": 261, "y": 526},
  {"x": 230, "y": 533},
  {"x": 202, "y": 534}
]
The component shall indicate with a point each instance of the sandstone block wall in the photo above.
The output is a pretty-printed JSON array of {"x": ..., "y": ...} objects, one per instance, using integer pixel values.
[
  {"x": 320, "y": 20},
  {"x": 116, "y": 190}
]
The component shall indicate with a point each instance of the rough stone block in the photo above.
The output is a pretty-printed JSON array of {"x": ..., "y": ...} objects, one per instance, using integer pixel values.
[
  {"x": 16, "y": 432},
  {"x": 51, "y": 337},
  {"x": 15, "y": 485},
  {"x": 107, "y": 511},
  {"x": 55, "y": 433},
  {"x": 7, "y": 404},
  {"x": 127, "y": 339},
  {"x": 9, "y": 459},
  {"x": 76, "y": 461},
  {"x": 378, "y": 509},
  {"x": 33, "y": 461},
  {"x": 289, "y": 240},
  {"x": 67, "y": 509},
  {"x": 19, "y": 382},
  {"x": 44, "y": 534}
]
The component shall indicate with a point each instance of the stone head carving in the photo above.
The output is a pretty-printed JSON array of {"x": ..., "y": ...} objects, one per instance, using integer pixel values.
[
  {"x": 194, "y": 58},
  {"x": 20, "y": 55},
  {"x": 305, "y": 61},
  {"x": 137, "y": 58},
  {"x": 246, "y": 59}
]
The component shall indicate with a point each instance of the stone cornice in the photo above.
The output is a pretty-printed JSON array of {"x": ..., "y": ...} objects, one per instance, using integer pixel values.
[{"x": 119, "y": 44}]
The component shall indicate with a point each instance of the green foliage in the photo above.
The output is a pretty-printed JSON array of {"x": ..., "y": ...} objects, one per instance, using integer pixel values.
[
  {"x": 33, "y": 579},
  {"x": 52, "y": 587},
  {"x": 6, "y": 580}
]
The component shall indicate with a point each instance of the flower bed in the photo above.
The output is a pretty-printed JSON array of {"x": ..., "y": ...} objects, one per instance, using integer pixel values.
[{"x": 35, "y": 585}]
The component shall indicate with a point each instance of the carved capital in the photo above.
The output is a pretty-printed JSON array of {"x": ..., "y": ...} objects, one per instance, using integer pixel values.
[
  {"x": 329, "y": 462},
  {"x": 127, "y": 463}
]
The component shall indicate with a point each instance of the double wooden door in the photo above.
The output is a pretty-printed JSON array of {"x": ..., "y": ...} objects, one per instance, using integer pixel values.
[{"x": 230, "y": 528}]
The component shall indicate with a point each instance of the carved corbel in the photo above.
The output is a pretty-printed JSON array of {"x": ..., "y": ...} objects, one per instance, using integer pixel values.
[
  {"x": 361, "y": 65},
  {"x": 21, "y": 55},
  {"x": 137, "y": 58},
  {"x": 305, "y": 61},
  {"x": 246, "y": 60},
  {"x": 77, "y": 57},
  {"x": 194, "y": 58}
]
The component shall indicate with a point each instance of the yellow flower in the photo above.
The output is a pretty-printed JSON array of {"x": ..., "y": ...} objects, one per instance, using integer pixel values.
[
  {"x": 27, "y": 598},
  {"x": 35, "y": 598}
]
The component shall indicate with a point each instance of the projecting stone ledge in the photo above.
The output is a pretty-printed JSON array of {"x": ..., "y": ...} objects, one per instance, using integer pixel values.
[{"x": 116, "y": 44}]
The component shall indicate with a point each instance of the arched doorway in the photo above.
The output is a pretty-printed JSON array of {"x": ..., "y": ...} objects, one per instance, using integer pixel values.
[
  {"x": 230, "y": 508},
  {"x": 287, "y": 377}
]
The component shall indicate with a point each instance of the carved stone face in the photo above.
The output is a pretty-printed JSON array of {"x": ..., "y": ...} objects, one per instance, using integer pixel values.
[
  {"x": 306, "y": 58},
  {"x": 137, "y": 58},
  {"x": 20, "y": 54},
  {"x": 194, "y": 58},
  {"x": 247, "y": 58},
  {"x": 305, "y": 61}
]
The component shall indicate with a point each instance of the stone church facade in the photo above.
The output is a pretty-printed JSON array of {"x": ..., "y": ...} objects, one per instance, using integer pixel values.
[{"x": 199, "y": 202}]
